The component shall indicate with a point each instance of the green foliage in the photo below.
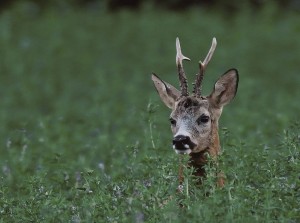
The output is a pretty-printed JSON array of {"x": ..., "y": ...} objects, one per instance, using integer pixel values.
[{"x": 84, "y": 137}]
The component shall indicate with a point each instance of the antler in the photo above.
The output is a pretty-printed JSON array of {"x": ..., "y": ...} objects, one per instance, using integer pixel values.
[
  {"x": 202, "y": 66},
  {"x": 181, "y": 73}
]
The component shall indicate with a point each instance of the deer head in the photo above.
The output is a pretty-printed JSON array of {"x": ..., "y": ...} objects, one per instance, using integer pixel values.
[{"x": 194, "y": 118}]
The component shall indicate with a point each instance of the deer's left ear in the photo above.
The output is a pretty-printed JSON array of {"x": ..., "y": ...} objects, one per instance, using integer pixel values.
[
  {"x": 167, "y": 92},
  {"x": 225, "y": 88}
]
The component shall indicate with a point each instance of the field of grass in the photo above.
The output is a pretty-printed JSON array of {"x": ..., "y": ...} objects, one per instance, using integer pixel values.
[{"x": 85, "y": 138}]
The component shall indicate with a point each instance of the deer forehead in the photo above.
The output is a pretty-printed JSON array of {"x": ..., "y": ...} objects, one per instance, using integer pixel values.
[{"x": 191, "y": 106}]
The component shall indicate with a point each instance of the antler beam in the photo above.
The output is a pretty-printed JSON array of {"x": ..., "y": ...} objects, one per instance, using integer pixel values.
[
  {"x": 202, "y": 66},
  {"x": 181, "y": 73}
]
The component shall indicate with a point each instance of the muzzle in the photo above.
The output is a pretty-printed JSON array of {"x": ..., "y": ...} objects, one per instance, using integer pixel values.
[{"x": 183, "y": 144}]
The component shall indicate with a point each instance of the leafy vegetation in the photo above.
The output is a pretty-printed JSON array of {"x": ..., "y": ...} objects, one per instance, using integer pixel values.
[{"x": 85, "y": 138}]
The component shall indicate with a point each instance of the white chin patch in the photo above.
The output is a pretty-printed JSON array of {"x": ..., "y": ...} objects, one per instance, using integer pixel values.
[{"x": 187, "y": 151}]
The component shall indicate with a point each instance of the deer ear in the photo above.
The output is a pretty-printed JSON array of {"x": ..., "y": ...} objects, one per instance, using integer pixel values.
[
  {"x": 225, "y": 88},
  {"x": 167, "y": 92}
]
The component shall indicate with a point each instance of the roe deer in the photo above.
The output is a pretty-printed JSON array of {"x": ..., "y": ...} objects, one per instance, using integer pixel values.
[{"x": 194, "y": 118}]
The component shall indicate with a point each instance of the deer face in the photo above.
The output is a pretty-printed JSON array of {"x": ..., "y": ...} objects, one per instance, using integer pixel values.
[
  {"x": 194, "y": 119},
  {"x": 191, "y": 125}
]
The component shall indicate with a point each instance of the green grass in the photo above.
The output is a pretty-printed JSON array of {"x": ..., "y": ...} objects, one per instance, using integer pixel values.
[{"x": 85, "y": 138}]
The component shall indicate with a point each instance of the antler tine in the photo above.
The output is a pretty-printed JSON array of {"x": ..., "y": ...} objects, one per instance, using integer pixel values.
[
  {"x": 181, "y": 73},
  {"x": 202, "y": 67}
]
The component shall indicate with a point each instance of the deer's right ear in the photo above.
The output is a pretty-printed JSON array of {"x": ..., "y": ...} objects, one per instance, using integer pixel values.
[{"x": 167, "y": 92}]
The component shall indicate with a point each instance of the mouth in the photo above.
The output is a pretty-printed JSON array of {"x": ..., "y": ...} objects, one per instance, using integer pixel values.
[{"x": 185, "y": 150}]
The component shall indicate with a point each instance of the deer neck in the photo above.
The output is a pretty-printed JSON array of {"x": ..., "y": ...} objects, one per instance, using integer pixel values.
[{"x": 198, "y": 161}]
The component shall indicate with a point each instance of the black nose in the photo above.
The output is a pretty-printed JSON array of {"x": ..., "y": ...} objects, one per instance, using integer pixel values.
[{"x": 182, "y": 142}]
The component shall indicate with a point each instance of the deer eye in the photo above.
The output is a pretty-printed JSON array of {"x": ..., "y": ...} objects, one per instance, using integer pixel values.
[
  {"x": 173, "y": 121},
  {"x": 202, "y": 119}
]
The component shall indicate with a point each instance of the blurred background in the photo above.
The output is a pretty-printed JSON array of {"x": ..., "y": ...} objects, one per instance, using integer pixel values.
[
  {"x": 180, "y": 5},
  {"x": 62, "y": 57}
]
